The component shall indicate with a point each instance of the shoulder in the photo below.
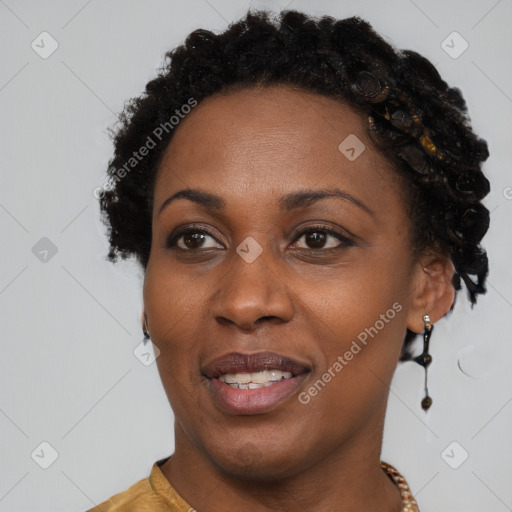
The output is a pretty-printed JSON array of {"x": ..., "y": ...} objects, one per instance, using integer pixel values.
[
  {"x": 136, "y": 497},
  {"x": 152, "y": 494}
]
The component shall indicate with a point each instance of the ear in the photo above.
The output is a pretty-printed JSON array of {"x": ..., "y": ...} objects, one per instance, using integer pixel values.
[{"x": 433, "y": 292}]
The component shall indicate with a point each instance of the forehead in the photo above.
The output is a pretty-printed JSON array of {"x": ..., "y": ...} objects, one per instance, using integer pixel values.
[{"x": 275, "y": 138}]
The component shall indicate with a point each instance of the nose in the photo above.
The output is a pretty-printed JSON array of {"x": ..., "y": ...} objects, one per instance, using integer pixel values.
[{"x": 250, "y": 294}]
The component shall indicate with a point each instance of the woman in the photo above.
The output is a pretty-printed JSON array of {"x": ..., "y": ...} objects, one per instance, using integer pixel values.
[{"x": 304, "y": 200}]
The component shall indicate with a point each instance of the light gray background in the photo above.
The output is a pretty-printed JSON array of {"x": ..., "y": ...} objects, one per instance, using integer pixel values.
[{"x": 68, "y": 373}]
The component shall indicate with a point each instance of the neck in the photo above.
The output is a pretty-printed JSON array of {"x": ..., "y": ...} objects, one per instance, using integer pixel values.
[{"x": 350, "y": 475}]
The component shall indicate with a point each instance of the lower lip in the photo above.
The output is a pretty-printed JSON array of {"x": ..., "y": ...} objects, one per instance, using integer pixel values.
[{"x": 254, "y": 401}]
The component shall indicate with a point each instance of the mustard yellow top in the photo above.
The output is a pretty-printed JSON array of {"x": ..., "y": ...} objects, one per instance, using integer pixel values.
[{"x": 156, "y": 494}]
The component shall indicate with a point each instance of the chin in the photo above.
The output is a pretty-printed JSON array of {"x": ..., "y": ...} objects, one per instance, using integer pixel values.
[{"x": 258, "y": 462}]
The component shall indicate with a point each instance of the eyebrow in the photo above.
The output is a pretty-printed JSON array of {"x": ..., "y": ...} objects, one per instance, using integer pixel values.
[
  {"x": 304, "y": 198},
  {"x": 209, "y": 201},
  {"x": 292, "y": 201}
]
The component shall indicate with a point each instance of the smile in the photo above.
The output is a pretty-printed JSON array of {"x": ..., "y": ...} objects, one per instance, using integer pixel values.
[
  {"x": 255, "y": 380},
  {"x": 248, "y": 384}
]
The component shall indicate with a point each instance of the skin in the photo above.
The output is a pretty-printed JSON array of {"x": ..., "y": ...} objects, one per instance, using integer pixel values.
[{"x": 307, "y": 302}]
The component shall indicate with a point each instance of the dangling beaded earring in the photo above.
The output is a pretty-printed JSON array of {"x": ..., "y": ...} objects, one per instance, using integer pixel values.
[{"x": 424, "y": 359}]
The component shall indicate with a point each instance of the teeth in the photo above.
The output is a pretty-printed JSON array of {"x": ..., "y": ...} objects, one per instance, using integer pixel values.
[
  {"x": 236, "y": 378},
  {"x": 254, "y": 380}
]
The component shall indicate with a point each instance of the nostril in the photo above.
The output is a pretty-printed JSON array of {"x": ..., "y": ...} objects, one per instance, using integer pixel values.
[
  {"x": 264, "y": 318},
  {"x": 224, "y": 321}
]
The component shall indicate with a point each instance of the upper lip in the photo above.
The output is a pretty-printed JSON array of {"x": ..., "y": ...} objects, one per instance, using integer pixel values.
[{"x": 236, "y": 362}]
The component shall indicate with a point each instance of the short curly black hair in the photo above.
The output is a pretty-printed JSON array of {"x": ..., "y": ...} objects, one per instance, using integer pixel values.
[{"x": 414, "y": 118}]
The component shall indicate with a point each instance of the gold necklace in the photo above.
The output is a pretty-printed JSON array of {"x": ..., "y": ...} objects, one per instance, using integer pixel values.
[{"x": 408, "y": 502}]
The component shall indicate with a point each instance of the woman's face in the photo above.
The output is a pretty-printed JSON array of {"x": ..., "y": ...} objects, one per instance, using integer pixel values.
[{"x": 285, "y": 268}]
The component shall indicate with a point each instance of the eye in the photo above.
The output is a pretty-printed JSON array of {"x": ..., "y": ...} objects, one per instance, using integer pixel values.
[
  {"x": 192, "y": 239},
  {"x": 322, "y": 237}
]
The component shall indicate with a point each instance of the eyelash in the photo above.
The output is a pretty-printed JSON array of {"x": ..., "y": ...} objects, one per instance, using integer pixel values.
[{"x": 344, "y": 240}]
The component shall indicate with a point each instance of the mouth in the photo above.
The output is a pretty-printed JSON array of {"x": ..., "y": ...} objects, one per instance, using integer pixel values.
[
  {"x": 246, "y": 384},
  {"x": 255, "y": 380}
]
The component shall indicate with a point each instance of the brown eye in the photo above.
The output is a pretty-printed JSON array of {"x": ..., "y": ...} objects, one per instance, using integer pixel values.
[
  {"x": 322, "y": 238},
  {"x": 193, "y": 240},
  {"x": 315, "y": 239}
]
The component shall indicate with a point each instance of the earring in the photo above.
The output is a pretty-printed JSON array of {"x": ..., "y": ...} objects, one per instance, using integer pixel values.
[
  {"x": 145, "y": 331},
  {"x": 424, "y": 359}
]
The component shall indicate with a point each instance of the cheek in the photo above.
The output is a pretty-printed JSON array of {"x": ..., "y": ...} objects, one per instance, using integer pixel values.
[
  {"x": 175, "y": 312},
  {"x": 360, "y": 324},
  {"x": 367, "y": 295},
  {"x": 361, "y": 348},
  {"x": 172, "y": 301}
]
